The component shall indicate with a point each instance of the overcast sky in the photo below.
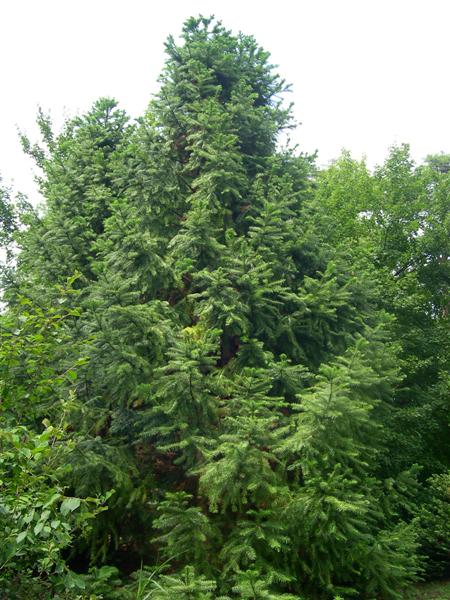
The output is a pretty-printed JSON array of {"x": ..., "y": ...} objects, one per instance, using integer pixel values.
[{"x": 365, "y": 73}]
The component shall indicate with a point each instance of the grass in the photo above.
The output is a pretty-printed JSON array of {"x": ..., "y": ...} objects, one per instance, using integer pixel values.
[{"x": 430, "y": 591}]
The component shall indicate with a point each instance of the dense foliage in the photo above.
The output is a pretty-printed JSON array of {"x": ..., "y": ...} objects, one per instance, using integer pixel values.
[{"x": 223, "y": 371}]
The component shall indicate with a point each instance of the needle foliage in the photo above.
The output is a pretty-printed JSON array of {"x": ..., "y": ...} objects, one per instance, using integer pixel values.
[{"x": 227, "y": 364}]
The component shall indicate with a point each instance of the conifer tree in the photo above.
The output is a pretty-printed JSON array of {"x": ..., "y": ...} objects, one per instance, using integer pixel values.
[
  {"x": 77, "y": 185},
  {"x": 348, "y": 538},
  {"x": 234, "y": 366}
]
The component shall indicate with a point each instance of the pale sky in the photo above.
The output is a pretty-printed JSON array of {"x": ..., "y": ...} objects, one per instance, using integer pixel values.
[{"x": 365, "y": 73}]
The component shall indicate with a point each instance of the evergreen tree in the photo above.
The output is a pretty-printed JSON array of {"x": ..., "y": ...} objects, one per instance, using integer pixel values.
[
  {"x": 232, "y": 364},
  {"x": 78, "y": 190},
  {"x": 344, "y": 522}
]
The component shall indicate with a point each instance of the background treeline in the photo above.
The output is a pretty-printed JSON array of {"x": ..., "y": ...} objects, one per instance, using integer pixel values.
[{"x": 223, "y": 372}]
